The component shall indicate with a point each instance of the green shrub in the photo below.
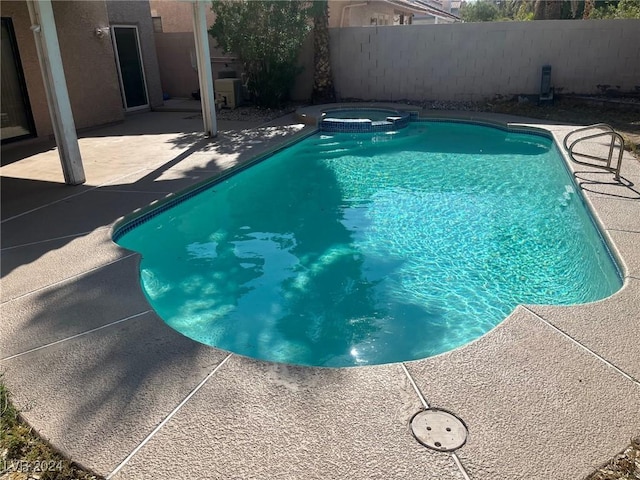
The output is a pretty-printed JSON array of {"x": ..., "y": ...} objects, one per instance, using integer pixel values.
[
  {"x": 621, "y": 9},
  {"x": 480, "y": 11},
  {"x": 266, "y": 36}
]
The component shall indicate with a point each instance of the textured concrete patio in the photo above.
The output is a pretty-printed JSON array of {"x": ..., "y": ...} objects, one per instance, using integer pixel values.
[{"x": 551, "y": 393}]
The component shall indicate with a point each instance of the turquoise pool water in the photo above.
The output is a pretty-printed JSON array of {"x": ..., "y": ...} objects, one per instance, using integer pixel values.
[{"x": 357, "y": 249}]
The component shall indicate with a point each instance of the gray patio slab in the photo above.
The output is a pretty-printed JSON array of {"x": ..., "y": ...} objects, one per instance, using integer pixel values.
[
  {"x": 159, "y": 181},
  {"x": 83, "y": 213},
  {"x": 605, "y": 327},
  {"x": 617, "y": 213},
  {"x": 149, "y": 123},
  {"x": 31, "y": 267},
  {"x": 32, "y": 174},
  {"x": 103, "y": 158},
  {"x": 626, "y": 243},
  {"x": 180, "y": 104},
  {"x": 537, "y": 406},
  {"x": 20, "y": 195},
  {"x": 210, "y": 158},
  {"x": 37, "y": 164},
  {"x": 97, "y": 298},
  {"x": 263, "y": 420},
  {"x": 96, "y": 397},
  {"x": 596, "y": 183}
]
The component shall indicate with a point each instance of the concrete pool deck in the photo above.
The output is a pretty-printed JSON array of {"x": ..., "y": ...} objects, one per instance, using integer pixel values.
[{"x": 551, "y": 393}]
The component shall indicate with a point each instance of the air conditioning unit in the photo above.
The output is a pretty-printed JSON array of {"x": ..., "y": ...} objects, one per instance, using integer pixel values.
[{"x": 228, "y": 92}]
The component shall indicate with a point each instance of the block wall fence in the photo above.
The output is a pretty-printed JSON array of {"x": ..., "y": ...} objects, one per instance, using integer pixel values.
[{"x": 478, "y": 61}]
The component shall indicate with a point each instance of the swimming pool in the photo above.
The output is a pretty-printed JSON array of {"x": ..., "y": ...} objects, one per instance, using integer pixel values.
[{"x": 359, "y": 249}]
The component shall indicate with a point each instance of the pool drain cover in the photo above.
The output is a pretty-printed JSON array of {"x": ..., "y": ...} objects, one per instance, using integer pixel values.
[{"x": 439, "y": 430}]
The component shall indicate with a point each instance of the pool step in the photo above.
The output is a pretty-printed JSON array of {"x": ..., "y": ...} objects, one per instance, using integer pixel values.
[{"x": 355, "y": 145}]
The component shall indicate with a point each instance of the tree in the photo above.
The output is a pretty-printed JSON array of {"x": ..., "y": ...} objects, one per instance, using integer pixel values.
[
  {"x": 621, "y": 9},
  {"x": 524, "y": 12},
  {"x": 267, "y": 37},
  {"x": 519, "y": 10},
  {"x": 547, "y": 10},
  {"x": 479, "y": 12},
  {"x": 539, "y": 10},
  {"x": 323, "y": 89},
  {"x": 589, "y": 5},
  {"x": 553, "y": 10}
]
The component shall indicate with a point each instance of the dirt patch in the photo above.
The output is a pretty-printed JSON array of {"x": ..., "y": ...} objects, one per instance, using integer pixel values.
[
  {"x": 624, "y": 466},
  {"x": 25, "y": 456}
]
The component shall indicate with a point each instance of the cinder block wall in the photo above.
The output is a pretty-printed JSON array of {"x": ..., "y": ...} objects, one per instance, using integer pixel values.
[{"x": 476, "y": 61}]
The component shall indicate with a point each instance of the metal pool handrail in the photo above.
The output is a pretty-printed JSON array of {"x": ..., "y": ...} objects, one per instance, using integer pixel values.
[{"x": 616, "y": 142}]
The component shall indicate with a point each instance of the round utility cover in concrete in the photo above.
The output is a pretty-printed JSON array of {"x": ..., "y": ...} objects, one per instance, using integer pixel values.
[{"x": 439, "y": 429}]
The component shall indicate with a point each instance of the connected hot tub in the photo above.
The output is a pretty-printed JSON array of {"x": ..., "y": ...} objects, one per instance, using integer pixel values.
[{"x": 363, "y": 120}]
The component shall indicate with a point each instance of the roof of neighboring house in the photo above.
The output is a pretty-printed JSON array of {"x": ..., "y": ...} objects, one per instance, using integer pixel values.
[
  {"x": 408, "y": 6},
  {"x": 421, "y": 8},
  {"x": 429, "y": 9}
]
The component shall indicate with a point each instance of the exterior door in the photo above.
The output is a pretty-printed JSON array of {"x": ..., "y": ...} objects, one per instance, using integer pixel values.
[
  {"x": 16, "y": 121},
  {"x": 126, "y": 45}
]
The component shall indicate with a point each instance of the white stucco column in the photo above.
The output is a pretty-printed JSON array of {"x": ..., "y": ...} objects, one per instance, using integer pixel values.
[
  {"x": 205, "y": 77},
  {"x": 44, "y": 30}
]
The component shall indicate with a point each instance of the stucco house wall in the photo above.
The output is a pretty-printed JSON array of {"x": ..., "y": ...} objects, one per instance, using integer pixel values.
[
  {"x": 177, "y": 17},
  {"x": 175, "y": 48},
  {"x": 361, "y": 16},
  {"x": 138, "y": 13},
  {"x": 88, "y": 63},
  {"x": 177, "y": 74}
]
